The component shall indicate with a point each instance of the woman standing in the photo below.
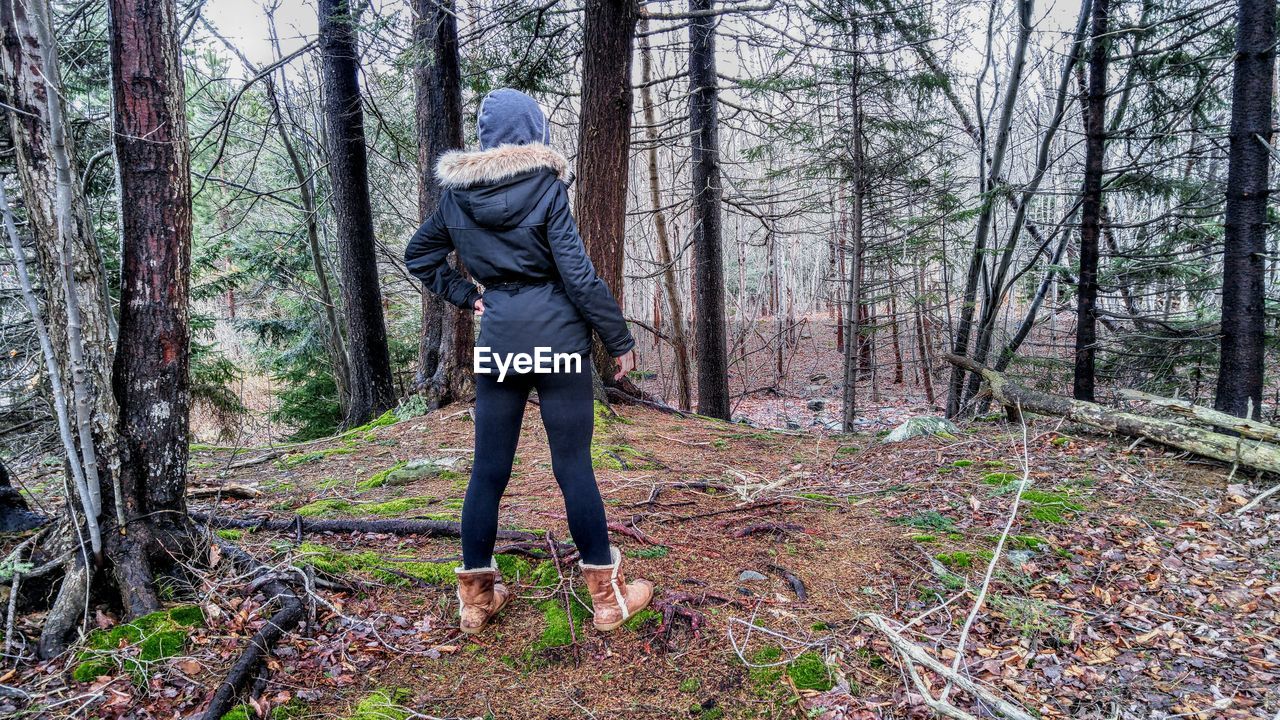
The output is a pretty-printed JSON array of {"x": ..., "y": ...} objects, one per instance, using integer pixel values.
[{"x": 506, "y": 210}]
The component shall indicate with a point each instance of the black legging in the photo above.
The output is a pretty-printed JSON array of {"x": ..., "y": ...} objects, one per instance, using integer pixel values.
[{"x": 569, "y": 417}]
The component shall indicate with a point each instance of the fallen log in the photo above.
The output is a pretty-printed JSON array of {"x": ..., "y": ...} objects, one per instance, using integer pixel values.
[
  {"x": 300, "y": 524},
  {"x": 1248, "y": 452},
  {"x": 1248, "y": 428},
  {"x": 238, "y": 492}
]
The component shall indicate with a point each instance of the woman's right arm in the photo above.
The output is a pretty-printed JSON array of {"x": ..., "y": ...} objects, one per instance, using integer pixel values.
[
  {"x": 428, "y": 259},
  {"x": 587, "y": 291}
]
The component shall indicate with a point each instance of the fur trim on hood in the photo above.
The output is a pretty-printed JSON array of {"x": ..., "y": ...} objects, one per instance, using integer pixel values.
[{"x": 461, "y": 169}]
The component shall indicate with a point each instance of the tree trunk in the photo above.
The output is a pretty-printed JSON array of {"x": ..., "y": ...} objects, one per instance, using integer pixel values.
[
  {"x": 708, "y": 253},
  {"x": 1240, "y": 366},
  {"x": 604, "y": 145},
  {"x": 150, "y": 378},
  {"x": 854, "y": 334},
  {"x": 372, "y": 392},
  {"x": 1091, "y": 207},
  {"x": 444, "y": 353},
  {"x": 671, "y": 286}
]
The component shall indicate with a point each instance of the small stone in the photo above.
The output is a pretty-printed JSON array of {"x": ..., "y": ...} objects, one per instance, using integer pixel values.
[
  {"x": 750, "y": 576},
  {"x": 817, "y": 405},
  {"x": 792, "y": 424},
  {"x": 1018, "y": 558}
]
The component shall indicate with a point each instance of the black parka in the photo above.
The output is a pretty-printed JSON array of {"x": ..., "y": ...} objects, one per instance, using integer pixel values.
[{"x": 506, "y": 211}]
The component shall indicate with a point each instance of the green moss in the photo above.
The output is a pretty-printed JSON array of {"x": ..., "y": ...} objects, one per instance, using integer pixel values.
[
  {"x": 605, "y": 416},
  {"x": 383, "y": 704},
  {"x": 400, "y": 506},
  {"x": 157, "y": 636},
  {"x": 295, "y": 459},
  {"x": 514, "y": 567},
  {"x": 962, "y": 463},
  {"x": 231, "y": 534},
  {"x": 161, "y": 645},
  {"x": 328, "y": 506},
  {"x": 1051, "y": 507},
  {"x": 239, "y": 712},
  {"x": 647, "y": 617},
  {"x": 820, "y": 497},
  {"x": 383, "y": 420},
  {"x": 928, "y": 520},
  {"x": 652, "y": 552},
  {"x": 690, "y": 684},
  {"x": 1026, "y": 542},
  {"x": 1000, "y": 479},
  {"x": 809, "y": 672},
  {"x": 336, "y": 562},
  {"x": 91, "y": 670},
  {"x": 619, "y": 457},
  {"x": 428, "y": 572},
  {"x": 956, "y": 560},
  {"x": 544, "y": 575},
  {"x": 764, "y": 678},
  {"x": 187, "y": 615},
  {"x": 924, "y": 538},
  {"x": 715, "y": 712},
  {"x": 378, "y": 479},
  {"x": 556, "y": 632},
  {"x": 1060, "y": 441}
]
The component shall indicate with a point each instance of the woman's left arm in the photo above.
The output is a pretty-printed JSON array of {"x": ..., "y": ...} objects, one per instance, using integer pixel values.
[{"x": 428, "y": 259}]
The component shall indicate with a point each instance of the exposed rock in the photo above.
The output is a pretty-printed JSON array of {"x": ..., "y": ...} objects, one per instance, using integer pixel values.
[
  {"x": 922, "y": 426},
  {"x": 817, "y": 405},
  {"x": 751, "y": 576}
]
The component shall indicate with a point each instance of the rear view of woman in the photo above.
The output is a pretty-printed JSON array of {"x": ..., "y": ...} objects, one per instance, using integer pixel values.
[{"x": 506, "y": 210}]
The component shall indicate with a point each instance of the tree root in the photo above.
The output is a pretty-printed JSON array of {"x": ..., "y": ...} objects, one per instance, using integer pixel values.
[
  {"x": 300, "y": 525},
  {"x": 285, "y": 619},
  {"x": 797, "y": 585}
]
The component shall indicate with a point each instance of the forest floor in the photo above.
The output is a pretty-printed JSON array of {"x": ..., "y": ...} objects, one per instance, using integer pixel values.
[{"x": 1128, "y": 586}]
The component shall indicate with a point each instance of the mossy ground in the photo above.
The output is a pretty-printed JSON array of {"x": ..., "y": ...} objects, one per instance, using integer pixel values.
[{"x": 136, "y": 646}]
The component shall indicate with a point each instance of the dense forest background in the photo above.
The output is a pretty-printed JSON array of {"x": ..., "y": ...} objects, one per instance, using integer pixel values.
[{"x": 927, "y": 160}]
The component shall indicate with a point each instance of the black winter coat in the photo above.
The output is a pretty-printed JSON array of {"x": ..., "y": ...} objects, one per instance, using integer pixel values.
[{"x": 506, "y": 211}]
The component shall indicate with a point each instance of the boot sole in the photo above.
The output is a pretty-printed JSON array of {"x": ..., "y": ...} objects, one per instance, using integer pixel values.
[{"x": 614, "y": 626}]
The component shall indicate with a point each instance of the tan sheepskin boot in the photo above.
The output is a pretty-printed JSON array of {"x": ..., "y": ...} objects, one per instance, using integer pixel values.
[
  {"x": 613, "y": 598},
  {"x": 481, "y": 595}
]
